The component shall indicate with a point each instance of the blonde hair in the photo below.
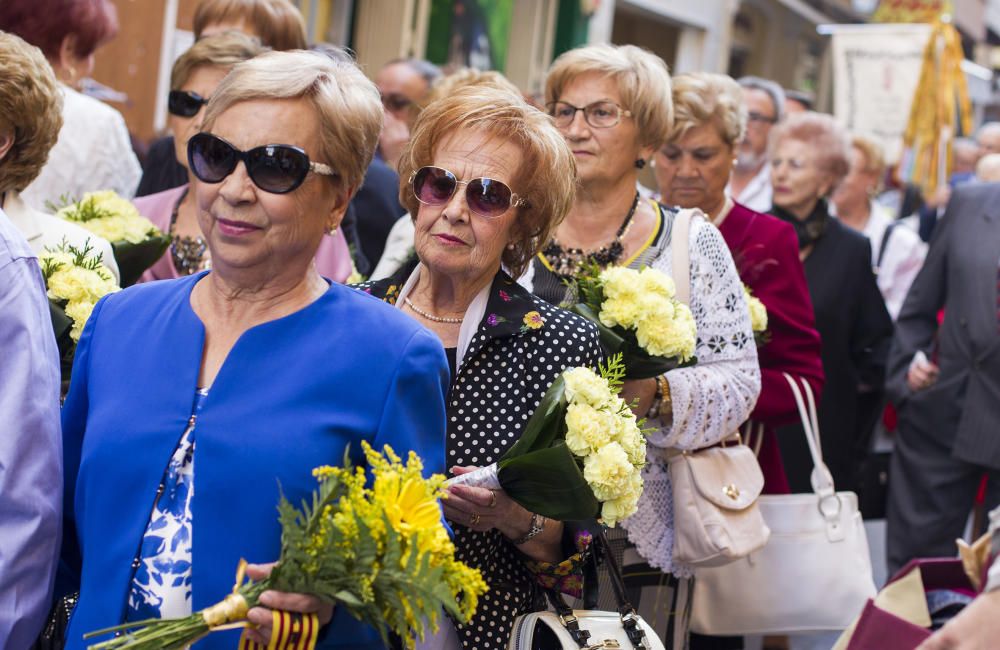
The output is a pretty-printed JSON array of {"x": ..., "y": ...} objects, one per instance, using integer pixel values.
[
  {"x": 220, "y": 50},
  {"x": 643, "y": 83},
  {"x": 31, "y": 106},
  {"x": 874, "y": 159},
  {"x": 346, "y": 103},
  {"x": 278, "y": 23},
  {"x": 825, "y": 137},
  {"x": 449, "y": 83},
  {"x": 703, "y": 97},
  {"x": 546, "y": 178}
]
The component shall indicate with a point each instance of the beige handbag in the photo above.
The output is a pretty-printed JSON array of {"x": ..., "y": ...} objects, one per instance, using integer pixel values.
[
  {"x": 716, "y": 517},
  {"x": 715, "y": 490}
]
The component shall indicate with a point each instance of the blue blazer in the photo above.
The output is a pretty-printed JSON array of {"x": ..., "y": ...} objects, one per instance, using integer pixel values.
[{"x": 292, "y": 394}]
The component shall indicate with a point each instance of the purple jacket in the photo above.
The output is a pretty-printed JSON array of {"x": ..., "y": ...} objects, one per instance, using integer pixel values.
[{"x": 333, "y": 259}]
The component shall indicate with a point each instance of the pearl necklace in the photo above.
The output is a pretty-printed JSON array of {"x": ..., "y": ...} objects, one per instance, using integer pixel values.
[{"x": 436, "y": 319}]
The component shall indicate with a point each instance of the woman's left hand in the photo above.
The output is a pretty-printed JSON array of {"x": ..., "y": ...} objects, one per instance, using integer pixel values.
[
  {"x": 261, "y": 616},
  {"x": 482, "y": 509}
]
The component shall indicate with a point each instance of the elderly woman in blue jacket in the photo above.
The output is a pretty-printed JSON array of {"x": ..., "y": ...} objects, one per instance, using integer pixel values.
[{"x": 192, "y": 399}]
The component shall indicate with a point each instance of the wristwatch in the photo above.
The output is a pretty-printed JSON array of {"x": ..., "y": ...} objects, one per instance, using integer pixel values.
[
  {"x": 661, "y": 399},
  {"x": 537, "y": 526}
]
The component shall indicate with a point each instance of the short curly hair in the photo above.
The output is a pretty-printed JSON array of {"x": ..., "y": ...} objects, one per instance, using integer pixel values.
[
  {"x": 702, "y": 97},
  {"x": 47, "y": 23},
  {"x": 643, "y": 82},
  {"x": 346, "y": 102},
  {"x": 31, "y": 106},
  {"x": 278, "y": 23},
  {"x": 219, "y": 50},
  {"x": 827, "y": 138},
  {"x": 547, "y": 178}
]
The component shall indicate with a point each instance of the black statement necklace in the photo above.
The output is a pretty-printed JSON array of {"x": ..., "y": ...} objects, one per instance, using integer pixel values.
[
  {"x": 566, "y": 263},
  {"x": 188, "y": 253}
]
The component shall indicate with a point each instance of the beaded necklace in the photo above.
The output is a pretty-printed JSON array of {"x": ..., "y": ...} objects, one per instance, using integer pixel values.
[
  {"x": 188, "y": 253},
  {"x": 566, "y": 263}
]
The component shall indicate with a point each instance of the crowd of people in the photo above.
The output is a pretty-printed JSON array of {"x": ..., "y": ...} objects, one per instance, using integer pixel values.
[{"x": 388, "y": 261}]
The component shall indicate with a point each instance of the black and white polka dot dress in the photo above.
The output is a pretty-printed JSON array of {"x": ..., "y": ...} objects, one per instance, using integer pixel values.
[{"x": 522, "y": 344}]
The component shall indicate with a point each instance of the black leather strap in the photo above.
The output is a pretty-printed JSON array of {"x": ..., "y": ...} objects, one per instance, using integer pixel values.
[
  {"x": 599, "y": 551},
  {"x": 580, "y": 636},
  {"x": 630, "y": 619}
]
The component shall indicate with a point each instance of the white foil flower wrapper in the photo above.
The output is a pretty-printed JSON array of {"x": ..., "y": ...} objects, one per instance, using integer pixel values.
[{"x": 484, "y": 477}]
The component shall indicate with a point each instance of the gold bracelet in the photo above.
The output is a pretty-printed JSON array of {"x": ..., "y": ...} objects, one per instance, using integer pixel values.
[{"x": 667, "y": 403}]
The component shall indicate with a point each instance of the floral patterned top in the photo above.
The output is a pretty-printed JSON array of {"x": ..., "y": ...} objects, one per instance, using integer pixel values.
[{"x": 161, "y": 585}]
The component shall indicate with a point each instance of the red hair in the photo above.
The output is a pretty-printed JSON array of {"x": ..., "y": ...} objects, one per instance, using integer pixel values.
[{"x": 46, "y": 23}]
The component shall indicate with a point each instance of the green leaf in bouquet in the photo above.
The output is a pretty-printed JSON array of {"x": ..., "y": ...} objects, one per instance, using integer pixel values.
[
  {"x": 639, "y": 364},
  {"x": 549, "y": 482},
  {"x": 611, "y": 340},
  {"x": 544, "y": 425},
  {"x": 134, "y": 259}
]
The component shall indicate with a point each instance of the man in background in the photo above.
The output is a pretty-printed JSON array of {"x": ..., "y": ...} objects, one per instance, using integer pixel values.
[{"x": 750, "y": 183}]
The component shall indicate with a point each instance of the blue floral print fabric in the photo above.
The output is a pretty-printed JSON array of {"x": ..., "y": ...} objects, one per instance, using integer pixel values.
[{"x": 161, "y": 587}]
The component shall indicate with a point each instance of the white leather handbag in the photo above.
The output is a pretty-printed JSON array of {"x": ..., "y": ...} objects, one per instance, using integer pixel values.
[
  {"x": 574, "y": 629},
  {"x": 813, "y": 575}
]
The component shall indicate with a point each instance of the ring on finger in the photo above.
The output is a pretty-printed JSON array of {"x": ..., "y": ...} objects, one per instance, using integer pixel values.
[
  {"x": 474, "y": 519},
  {"x": 493, "y": 499}
]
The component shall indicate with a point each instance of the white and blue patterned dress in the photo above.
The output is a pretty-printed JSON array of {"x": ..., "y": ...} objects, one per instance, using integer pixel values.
[{"x": 161, "y": 586}]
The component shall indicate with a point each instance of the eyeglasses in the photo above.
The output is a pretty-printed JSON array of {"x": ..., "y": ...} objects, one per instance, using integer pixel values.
[
  {"x": 395, "y": 102},
  {"x": 754, "y": 116},
  {"x": 274, "y": 168},
  {"x": 600, "y": 115},
  {"x": 486, "y": 197},
  {"x": 184, "y": 103}
]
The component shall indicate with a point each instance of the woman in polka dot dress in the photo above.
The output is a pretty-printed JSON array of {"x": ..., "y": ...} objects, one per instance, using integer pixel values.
[{"x": 488, "y": 178}]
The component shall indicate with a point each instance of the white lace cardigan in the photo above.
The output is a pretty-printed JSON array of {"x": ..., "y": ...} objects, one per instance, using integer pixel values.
[{"x": 711, "y": 399}]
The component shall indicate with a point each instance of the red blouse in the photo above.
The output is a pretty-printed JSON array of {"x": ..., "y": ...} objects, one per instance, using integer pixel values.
[{"x": 766, "y": 253}]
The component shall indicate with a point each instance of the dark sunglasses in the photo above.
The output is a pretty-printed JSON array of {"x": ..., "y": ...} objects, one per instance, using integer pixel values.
[
  {"x": 486, "y": 197},
  {"x": 184, "y": 103},
  {"x": 274, "y": 168}
]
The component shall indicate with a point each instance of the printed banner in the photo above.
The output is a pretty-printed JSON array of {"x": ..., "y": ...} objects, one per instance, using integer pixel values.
[
  {"x": 911, "y": 11},
  {"x": 875, "y": 75}
]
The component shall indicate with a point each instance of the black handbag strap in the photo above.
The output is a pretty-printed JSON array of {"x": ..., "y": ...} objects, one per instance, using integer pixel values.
[
  {"x": 600, "y": 550},
  {"x": 884, "y": 244}
]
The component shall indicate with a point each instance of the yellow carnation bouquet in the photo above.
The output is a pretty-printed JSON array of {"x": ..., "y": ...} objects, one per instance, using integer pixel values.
[
  {"x": 638, "y": 315},
  {"x": 580, "y": 455},
  {"x": 758, "y": 317},
  {"x": 136, "y": 241},
  {"x": 75, "y": 279},
  {"x": 375, "y": 545}
]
